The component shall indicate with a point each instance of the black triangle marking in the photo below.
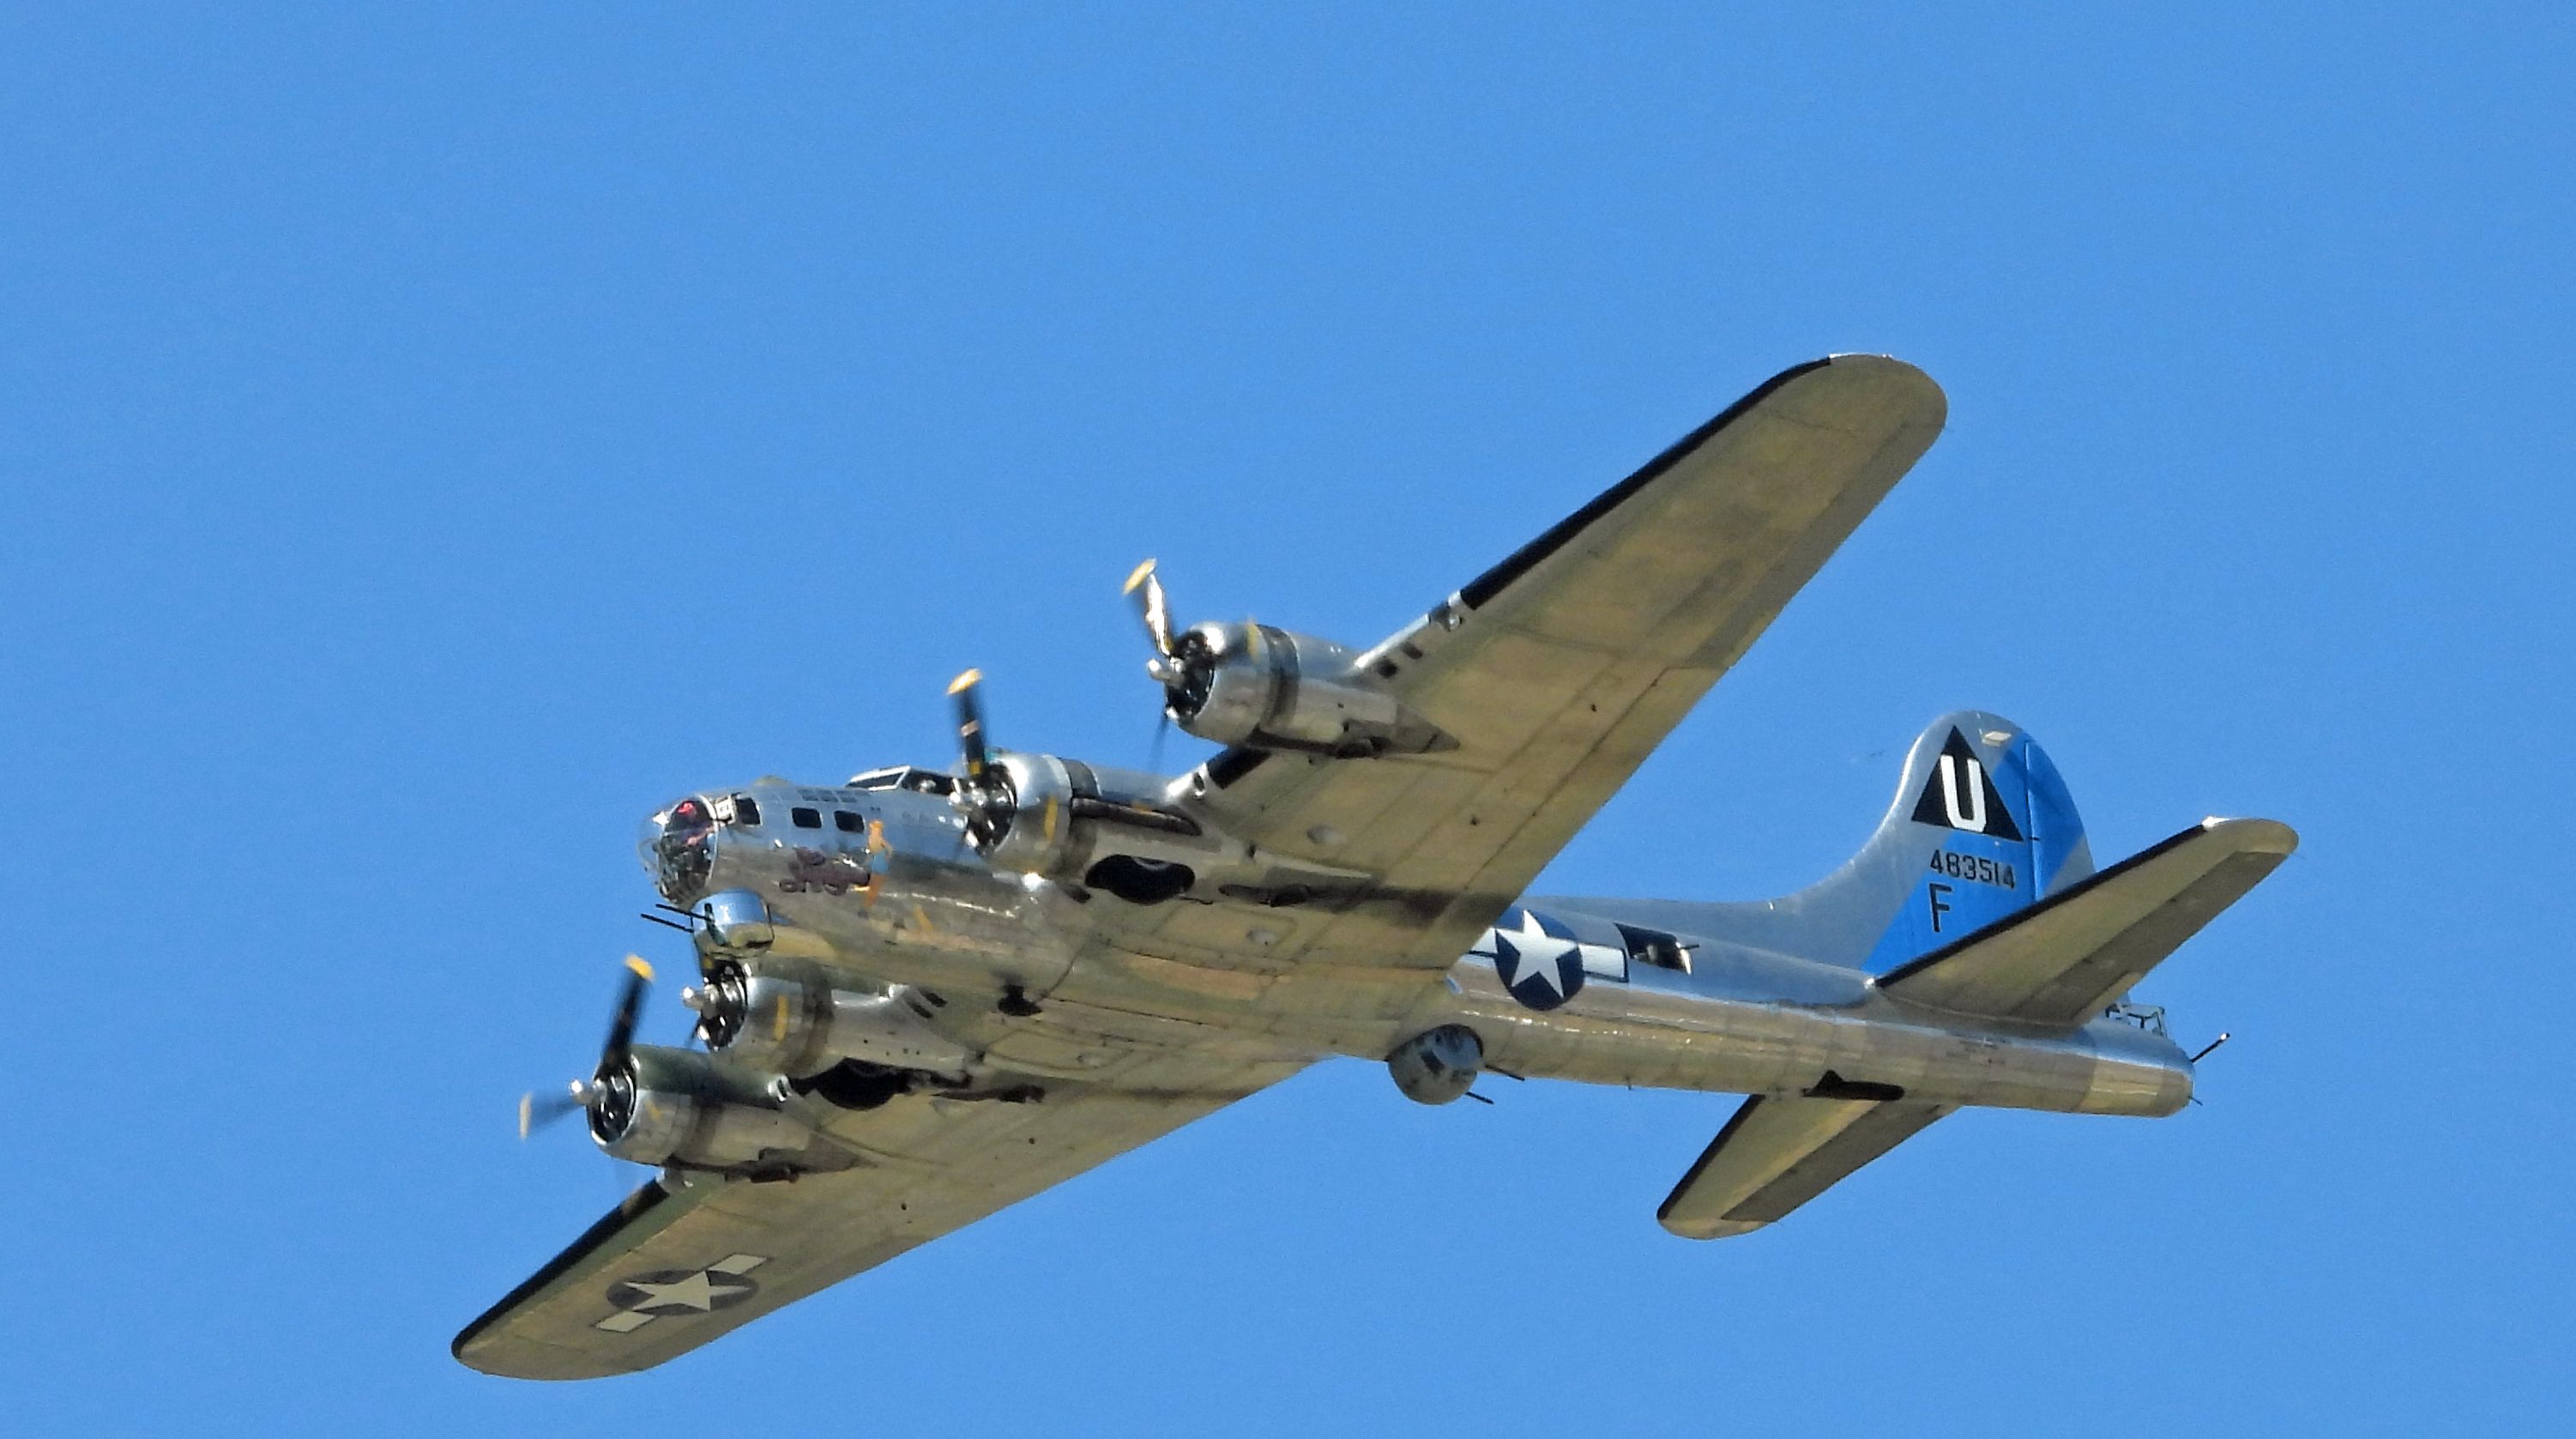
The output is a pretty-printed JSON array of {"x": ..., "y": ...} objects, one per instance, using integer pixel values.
[{"x": 1952, "y": 801}]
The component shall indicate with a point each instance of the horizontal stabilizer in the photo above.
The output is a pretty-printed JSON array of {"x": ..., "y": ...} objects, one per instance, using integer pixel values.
[
  {"x": 1778, "y": 1153},
  {"x": 2061, "y": 960}
]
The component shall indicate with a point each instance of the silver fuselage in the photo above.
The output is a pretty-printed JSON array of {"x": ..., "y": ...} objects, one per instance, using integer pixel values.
[{"x": 1729, "y": 1017}]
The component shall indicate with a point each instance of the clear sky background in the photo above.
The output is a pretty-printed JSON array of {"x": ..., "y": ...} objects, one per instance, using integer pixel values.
[{"x": 431, "y": 437}]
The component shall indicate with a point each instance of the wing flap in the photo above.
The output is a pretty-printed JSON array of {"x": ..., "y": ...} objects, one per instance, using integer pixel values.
[
  {"x": 1778, "y": 1153},
  {"x": 2061, "y": 960}
]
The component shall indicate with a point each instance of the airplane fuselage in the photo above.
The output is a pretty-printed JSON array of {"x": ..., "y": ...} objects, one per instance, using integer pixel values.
[{"x": 1030, "y": 974}]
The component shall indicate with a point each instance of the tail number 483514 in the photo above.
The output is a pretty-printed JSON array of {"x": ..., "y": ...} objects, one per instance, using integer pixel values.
[{"x": 1975, "y": 868}]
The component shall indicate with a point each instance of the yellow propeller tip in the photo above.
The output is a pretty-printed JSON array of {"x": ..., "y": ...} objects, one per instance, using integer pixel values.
[
  {"x": 1137, "y": 577},
  {"x": 527, "y": 1104},
  {"x": 966, "y": 681},
  {"x": 636, "y": 963}
]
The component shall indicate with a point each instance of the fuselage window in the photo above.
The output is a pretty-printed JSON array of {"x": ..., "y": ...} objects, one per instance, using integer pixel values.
[
  {"x": 1653, "y": 946},
  {"x": 806, "y": 818},
  {"x": 846, "y": 822},
  {"x": 746, "y": 810}
]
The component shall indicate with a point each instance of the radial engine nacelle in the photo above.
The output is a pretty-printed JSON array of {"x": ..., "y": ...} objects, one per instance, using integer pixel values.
[
  {"x": 1265, "y": 688},
  {"x": 795, "y": 1017},
  {"x": 672, "y": 1106},
  {"x": 1062, "y": 815},
  {"x": 1127, "y": 834}
]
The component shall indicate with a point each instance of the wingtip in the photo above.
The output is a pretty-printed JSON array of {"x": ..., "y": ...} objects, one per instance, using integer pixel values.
[
  {"x": 2265, "y": 836},
  {"x": 1924, "y": 397},
  {"x": 1711, "y": 1229}
]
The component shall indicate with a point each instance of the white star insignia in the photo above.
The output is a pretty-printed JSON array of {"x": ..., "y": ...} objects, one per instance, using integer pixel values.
[
  {"x": 698, "y": 1292},
  {"x": 719, "y": 1285},
  {"x": 1537, "y": 954}
]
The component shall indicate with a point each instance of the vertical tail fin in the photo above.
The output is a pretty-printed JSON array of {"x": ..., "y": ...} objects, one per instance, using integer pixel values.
[{"x": 1982, "y": 826}]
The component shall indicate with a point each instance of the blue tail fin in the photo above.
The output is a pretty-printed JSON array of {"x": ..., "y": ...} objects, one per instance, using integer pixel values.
[{"x": 1982, "y": 826}]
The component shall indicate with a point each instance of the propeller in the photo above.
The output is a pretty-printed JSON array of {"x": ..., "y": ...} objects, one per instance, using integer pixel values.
[
  {"x": 970, "y": 726},
  {"x": 609, "y": 1080},
  {"x": 1184, "y": 662},
  {"x": 1154, "y": 608},
  {"x": 982, "y": 793}
]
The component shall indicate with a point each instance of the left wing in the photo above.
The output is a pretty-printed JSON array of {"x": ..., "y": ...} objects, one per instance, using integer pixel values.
[
  {"x": 1778, "y": 1153},
  {"x": 670, "y": 1269}
]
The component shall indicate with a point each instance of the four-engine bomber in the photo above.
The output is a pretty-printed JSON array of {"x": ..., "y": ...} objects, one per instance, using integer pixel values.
[{"x": 923, "y": 995}]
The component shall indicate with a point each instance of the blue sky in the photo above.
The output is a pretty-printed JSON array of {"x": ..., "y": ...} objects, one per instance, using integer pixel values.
[{"x": 431, "y": 437}]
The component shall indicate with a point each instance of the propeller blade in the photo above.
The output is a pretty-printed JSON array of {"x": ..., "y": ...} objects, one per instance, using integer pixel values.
[
  {"x": 1152, "y": 606},
  {"x": 970, "y": 725},
  {"x": 536, "y": 1114},
  {"x": 630, "y": 1007}
]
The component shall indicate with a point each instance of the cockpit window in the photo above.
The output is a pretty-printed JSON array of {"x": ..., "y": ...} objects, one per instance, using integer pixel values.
[
  {"x": 904, "y": 776},
  {"x": 806, "y": 818},
  {"x": 746, "y": 810},
  {"x": 846, "y": 822}
]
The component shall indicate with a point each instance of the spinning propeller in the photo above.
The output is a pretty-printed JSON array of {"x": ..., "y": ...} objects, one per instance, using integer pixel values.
[
  {"x": 1154, "y": 608},
  {"x": 1184, "y": 662},
  {"x": 983, "y": 796},
  {"x": 611, "y": 1087}
]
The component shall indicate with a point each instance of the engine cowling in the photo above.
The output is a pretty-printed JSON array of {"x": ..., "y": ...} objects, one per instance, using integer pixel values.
[
  {"x": 671, "y": 1106},
  {"x": 1107, "y": 828},
  {"x": 794, "y": 1018},
  {"x": 1437, "y": 1065},
  {"x": 1266, "y": 688}
]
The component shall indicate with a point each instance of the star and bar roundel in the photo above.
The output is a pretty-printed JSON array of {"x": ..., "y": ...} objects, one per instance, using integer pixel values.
[
  {"x": 1539, "y": 960},
  {"x": 643, "y": 1298}
]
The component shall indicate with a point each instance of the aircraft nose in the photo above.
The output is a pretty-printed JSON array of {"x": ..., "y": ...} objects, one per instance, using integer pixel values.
[{"x": 677, "y": 846}]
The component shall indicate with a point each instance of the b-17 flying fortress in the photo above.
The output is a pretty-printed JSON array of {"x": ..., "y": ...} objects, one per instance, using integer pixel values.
[{"x": 925, "y": 995}]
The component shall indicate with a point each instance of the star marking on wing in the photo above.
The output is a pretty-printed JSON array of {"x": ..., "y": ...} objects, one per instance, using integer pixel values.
[
  {"x": 642, "y": 1297},
  {"x": 698, "y": 1291}
]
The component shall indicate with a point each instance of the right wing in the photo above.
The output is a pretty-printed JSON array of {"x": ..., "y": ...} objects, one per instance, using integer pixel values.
[
  {"x": 1558, "y": 671},
  {"x": 670, "y": 1269},
  {"x": 1777, "y": 1154}
]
